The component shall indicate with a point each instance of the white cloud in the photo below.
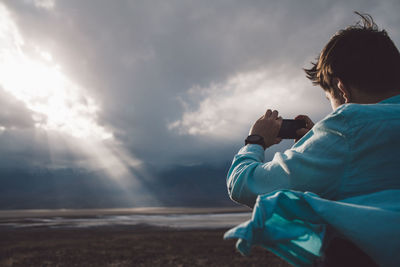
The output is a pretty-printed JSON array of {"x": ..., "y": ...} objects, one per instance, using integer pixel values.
[
  {"x": 227, "y": 109},
  {"x": 44, "y": 4}
]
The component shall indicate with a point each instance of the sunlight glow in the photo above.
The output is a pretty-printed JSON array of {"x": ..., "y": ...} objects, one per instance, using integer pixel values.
[{"x": 56, "y": 102}]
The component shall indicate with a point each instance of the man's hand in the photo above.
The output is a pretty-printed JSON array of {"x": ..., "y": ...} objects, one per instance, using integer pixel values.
[
  {"x": 309, "y": 124},
  {"x": 268, "y": 127}
]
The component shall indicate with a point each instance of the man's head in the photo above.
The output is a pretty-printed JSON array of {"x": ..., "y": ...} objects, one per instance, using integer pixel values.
[{"x": 358, "y": 62}]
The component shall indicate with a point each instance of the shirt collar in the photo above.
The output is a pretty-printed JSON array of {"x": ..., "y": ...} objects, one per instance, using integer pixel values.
[{"x": 391, "y": 100}]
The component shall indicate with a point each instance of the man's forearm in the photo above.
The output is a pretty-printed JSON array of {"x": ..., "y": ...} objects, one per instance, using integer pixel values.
[
  {"x": 242, "y": 180},
  {"x": 242, "y": 168}
]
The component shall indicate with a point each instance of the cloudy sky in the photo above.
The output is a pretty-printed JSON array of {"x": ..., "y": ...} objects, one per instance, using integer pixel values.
[{"x": 146, "y": 102}]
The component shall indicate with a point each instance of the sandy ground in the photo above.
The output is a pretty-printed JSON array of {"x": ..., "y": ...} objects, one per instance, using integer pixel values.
[{"x": 125, "y": 246}]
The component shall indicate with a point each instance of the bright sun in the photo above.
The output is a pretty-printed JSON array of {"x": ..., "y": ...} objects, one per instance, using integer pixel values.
[{"x": 56, "y": 102}]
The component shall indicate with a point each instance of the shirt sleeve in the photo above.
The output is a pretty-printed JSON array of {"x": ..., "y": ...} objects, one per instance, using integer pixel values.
[{"x": 316, "y": 163}]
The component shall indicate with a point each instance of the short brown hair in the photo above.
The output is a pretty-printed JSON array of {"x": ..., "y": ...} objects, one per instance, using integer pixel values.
[{"x": 362, "y": 56}]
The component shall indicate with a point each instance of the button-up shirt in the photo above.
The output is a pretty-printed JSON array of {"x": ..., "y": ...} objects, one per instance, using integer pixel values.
[{"x": 343, "y": 175}]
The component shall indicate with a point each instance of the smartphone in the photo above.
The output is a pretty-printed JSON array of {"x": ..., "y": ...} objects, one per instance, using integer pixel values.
[{"x": 289, "y": 128}]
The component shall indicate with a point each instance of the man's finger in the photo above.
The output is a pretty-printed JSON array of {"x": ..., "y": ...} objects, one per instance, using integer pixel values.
[
  {"x": 305, "y": 118},
  {"x": 268, "y": 113},
  {"x": 300, "y": 117},
  {"x": 279, "y": 120},
  {"x": 274, "y": 114}
]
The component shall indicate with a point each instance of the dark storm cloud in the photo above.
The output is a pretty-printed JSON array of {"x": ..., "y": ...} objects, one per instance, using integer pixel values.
[{"x": 138, "y": 57}]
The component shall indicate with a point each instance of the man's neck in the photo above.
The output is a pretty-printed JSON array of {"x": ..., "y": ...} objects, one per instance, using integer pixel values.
[{"x": 365, "y": 98}]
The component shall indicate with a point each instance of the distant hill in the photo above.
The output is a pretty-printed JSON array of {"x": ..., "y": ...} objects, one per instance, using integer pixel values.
[{"x": 41, "y": 188}]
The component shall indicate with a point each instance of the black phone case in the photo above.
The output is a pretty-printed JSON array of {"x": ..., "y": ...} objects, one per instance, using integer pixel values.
[{"x": 289, "y": 128}]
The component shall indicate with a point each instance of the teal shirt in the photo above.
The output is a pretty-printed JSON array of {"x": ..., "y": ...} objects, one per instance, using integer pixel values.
[
  {"x": 343, "y": 174},
  {"x": 355, "y": 150}
]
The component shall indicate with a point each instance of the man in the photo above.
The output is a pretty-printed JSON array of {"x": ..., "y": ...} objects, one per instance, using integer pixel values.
[{"x": 354, "y": 151}]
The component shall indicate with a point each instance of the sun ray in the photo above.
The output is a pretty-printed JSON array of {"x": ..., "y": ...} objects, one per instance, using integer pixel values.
[{"x": 61, "y": 108}]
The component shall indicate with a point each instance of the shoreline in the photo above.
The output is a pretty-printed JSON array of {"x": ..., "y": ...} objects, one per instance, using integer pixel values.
[
  {"x": 176, "y": 218},
  {"x": 43, "y": 213}
]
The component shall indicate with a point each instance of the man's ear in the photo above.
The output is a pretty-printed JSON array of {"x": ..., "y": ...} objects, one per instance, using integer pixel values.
[{"x": 344, "y": 90}]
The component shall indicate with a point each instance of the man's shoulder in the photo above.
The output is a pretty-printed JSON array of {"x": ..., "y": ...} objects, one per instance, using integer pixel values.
[
  {"x": 336, "y": 120},
  {"x": 362, "y": 113},
  {"x": 348, "y": 119},
  {"x": 350, "y": 116}
]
